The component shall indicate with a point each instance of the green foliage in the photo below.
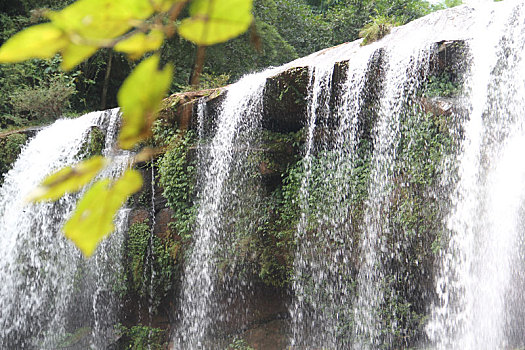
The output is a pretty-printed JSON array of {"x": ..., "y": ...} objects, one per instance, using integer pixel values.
[
  {"x": 239, "y": 344},
  {"x": 136, "y": 248},
  {"x": 379, "y": 27},
  {"x": 142, "y": 337},
  {"x": 146, "y": 254},
  {"x": 94, "y": 144},
  {"x": 208, "y": 81},
  {"x": 10, "y": 147},
  {"x": 444, "y": 85},
  {"x": 177, "y": 178},
  {"x": 36, "y": 92},
  {"x": 46, "y": 102}
]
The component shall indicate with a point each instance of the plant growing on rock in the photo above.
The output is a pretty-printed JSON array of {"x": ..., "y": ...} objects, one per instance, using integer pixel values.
[{"x": 377, "y": 28}]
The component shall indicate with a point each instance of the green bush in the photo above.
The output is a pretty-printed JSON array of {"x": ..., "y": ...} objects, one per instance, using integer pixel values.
[
  {"x": 47, "y": 101},
  {"x": 177, "y": 176},
  {"x": 10, "y": 147},
  {"x": 444, "y": 84},
  {"x": 142, "y": 338},
  {"x": 379, "y": 27}
]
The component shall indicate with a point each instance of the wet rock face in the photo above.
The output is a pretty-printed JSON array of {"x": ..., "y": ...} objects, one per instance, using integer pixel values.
[
  {"x": 285, "y": 100},
  {"x": 138, "y": 215},
  {"x": 284, "y": 103}
]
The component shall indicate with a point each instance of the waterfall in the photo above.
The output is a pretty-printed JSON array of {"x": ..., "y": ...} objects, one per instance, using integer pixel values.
[
  {"x": 321, "y": 281},
  {"x": 344, "y": 270},
  {"x": 403, "y": 168},
  {"x": 480, "y": 303},
  {"x": 51, "y": 296},
  {"x": 222, "y": 183},
  {"x": 410, "y": 225}
]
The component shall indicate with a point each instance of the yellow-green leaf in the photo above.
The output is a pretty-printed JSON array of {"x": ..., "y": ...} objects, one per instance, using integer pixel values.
[
  {"x": 138, "y": 44},
  {"x": 40, "y": 41},
  {"x": 90, "y": 24},
  {"x": 100, "y": 19},
  {"x": 216, "y": 21},
  {"x": 74, "y": 54},
  {"x": 93, "y": 218},
  {"x": 164, "y": 5},
  {"x": 68, "y": 179},
  {"x": 140, "y": 97}
]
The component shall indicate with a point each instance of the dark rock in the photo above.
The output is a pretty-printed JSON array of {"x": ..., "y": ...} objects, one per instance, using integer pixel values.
[
  {"x": 137, "y": 216},
  {"x": 284, "y": 100},
  {"x": 271, "y": 335},
  {"x": 180, "y": 109},
  {"x": 162, "y": 220},
  {"x": 439, "y": 105}
]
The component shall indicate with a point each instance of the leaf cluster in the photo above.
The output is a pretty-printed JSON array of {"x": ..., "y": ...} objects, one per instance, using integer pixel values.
[
  {"x": 134, "y": 27},
  {"x": 377, "y": 28},
  {"x": 141, "y": 337},
  {"x": 10, "y": 147},
  {"x": 177, "y": 176}
]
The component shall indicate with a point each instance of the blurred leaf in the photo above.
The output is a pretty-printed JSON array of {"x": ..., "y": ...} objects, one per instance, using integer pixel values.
[
  {"x": 140, "y": 97},
  {"x": 73, "y": 54},
  {"x": 40, "y": 41},
  {"x": 164, "y": 5},
  {"x": 216, "y": 21},
  {"x": 90, "y": 24},
  {"x": 68, "y": 179},
  {"x": 100, "y": 19},
  {"x": 93, "y": 218},
  {"x": 138, "y": 44}
]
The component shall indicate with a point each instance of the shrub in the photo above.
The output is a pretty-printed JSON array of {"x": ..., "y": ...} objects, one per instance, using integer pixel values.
[
  {"x": 142, "y": 337},
  {"x": 379, "y": 27},
  {"x": 46, "y": 101},
  {"x": 9, "y": 150}
]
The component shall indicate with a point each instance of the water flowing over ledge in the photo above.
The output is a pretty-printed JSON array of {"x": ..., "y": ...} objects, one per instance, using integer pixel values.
[{"x": 362, "y": 197}]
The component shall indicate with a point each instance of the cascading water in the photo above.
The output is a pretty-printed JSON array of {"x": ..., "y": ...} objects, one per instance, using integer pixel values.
[
  {"x": 50, "y": 296},
  {"x": 346, "y": 255},
  {"x": 480, "y": 303},
  {"x": 221, "y": 184},
  {"x": 320, "y": 274},
  {"x": 401, "y": 210},
  {"x": 386, "y": 188}
]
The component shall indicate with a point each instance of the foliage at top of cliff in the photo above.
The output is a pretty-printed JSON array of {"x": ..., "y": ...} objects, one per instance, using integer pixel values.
[{"x": 282, "y": 31}]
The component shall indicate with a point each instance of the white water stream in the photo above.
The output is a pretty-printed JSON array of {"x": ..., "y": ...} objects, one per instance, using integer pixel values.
[
  {"x": 349, "y": 276},
  {"x": 49, "y": 293}
]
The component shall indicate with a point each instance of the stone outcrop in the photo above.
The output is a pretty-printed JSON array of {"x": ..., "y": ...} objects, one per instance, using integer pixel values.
[{"x": 284, "y": 111}]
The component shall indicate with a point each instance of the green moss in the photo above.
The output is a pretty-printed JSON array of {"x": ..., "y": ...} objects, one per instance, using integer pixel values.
[
  {"x": 177, "y": 176},
  {"x": 140, "y": 245},
  {"x": 10, "y": 148},
  {"x": 94, "y": 145},
  {"x": 141, "y": 338}
]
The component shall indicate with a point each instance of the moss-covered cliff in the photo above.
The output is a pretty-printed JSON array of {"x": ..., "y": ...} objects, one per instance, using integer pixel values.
[{"x": 162, "y": 221}]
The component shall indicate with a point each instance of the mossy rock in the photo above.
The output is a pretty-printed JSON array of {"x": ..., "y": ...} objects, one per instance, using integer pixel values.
[
  {"x": 285, "y": 100},
  {"x": 95, "y": 143},
  {"x": 10, "y": 147}
]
